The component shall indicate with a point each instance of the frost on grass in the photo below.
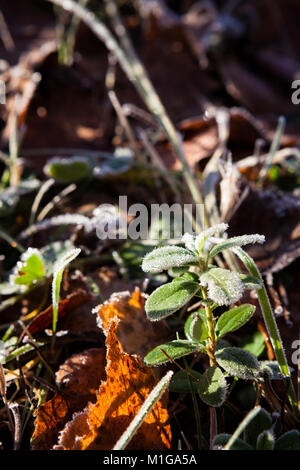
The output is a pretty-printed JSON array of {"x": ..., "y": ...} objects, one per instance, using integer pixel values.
[{"x": 224, "y": 287}]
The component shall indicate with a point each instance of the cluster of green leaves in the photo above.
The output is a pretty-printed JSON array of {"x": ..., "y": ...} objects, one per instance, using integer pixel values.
[
  {"x": 35, "y": 266},
  {"x": 194, "y": 274},
  {"x": 260, "y": 434}
]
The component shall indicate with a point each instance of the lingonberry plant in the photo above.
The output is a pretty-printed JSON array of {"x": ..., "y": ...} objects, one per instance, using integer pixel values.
[{"x": 196, "y": 275}]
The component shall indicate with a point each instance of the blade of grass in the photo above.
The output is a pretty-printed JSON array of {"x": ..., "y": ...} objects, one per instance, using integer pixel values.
[
  {"x": 145, "y": 409},
  {"x": 59, "y": 268},
  {"x": 273, "y": 150},
  {"x": 248, "y": 418},
  {"x": 270, "y": 323}
]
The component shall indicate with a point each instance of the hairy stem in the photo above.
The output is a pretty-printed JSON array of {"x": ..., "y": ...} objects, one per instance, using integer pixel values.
[{"x": 211, "y": 330}]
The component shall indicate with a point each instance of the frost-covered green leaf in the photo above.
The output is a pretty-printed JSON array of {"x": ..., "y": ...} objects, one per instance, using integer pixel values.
[
  {"x": 288, "y": 441},
  {"x": 181, "y": 382},
  {"x": 68, "y": 170},
  {"x": 212, "y": 387},
  {"x": 233, "y": 319},
  {"x": 119, "y": 164},
  {"x": 238, "y": 362},
  {"x": 59, "y": 268},
  {"x": 260, "y": 423},
  {"x": 265, "y": 441},
  {"x": 272, "y": 369},
  {"x": 224, "y": 286},
  {"x": 236, "y": 241},
  {"x": 167, "y": 257},
  {"x": 250, "y": 282},
  {"x": 195, "y": 328},
  {"x": 222, "y": 439},
  {"x": 169, "y": 298},
  {"x": 29, "y": 269},
  {"x": 201, "y": 243},
  {"x": 174, "y": 349}
]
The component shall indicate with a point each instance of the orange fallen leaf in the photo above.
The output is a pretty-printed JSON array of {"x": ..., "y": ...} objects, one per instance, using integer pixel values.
[
  {"x": 119, "y": 399},
  {"x": 78, "y": 378},
  {"x": 136, "y": 334}
]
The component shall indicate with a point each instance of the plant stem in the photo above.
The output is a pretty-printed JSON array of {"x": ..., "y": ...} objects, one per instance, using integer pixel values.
[
  {"x": 211, "y": 349},
  {"x": 270, "y": 323},
  {"x": 195, "y": 405}
]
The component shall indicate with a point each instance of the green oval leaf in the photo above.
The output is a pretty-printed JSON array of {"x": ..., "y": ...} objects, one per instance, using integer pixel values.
[
  {"x": 212, "y": 387},
  {"x": 238, "y": 362},
  {"x": 254, "y": 343},
  {"x": 233, "y": 319},
  {"x": 236, "y": 241},
  {"x": 68, "y": 170},
  {"x": 222, "y": 439},
  {"x": 29, "y": 269},
  {"x": 224, "y": 286},
  {"x": 169, "y": 298},
  {"x": 250, "y": 282},
  {"x": 174, "y": 349},
  {"x": 167, "y": 257},
  {"x": 288, "y": 441},
  {"x": 260, "y": 423},
  {"x": 265, "y": 441},
  {"x": 181, "y": 382},
  {"x": 195, "y": 328}
]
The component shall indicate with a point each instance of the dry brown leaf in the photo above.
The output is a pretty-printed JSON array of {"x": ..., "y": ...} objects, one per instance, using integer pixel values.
[
  {"x": 78, "y": 379},
  {"x": 44, "y": 318},
  {"x": 119, "y": 399},
  {"x": 136, "y": 334}
]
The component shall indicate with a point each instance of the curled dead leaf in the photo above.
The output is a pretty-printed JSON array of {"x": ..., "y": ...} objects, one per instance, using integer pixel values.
[
  {"x": 119, "y": 399},
  {"x": 136, "y": 334}
]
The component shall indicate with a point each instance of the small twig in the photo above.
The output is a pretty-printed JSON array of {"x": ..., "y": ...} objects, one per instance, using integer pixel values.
[
  {"x": 5, "y": 34},
  {"x": 13, "y": 243},
  {"x": 56, "y": 200},
  {"x": 177, "y": 365},
  {"x": 157, "y": 161},
  {"x": 42, "y": 191},
  {"x": 126, "y": 126},
  {"x": 4, "y": 398},
  {"x": 18, "y": 428}
]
